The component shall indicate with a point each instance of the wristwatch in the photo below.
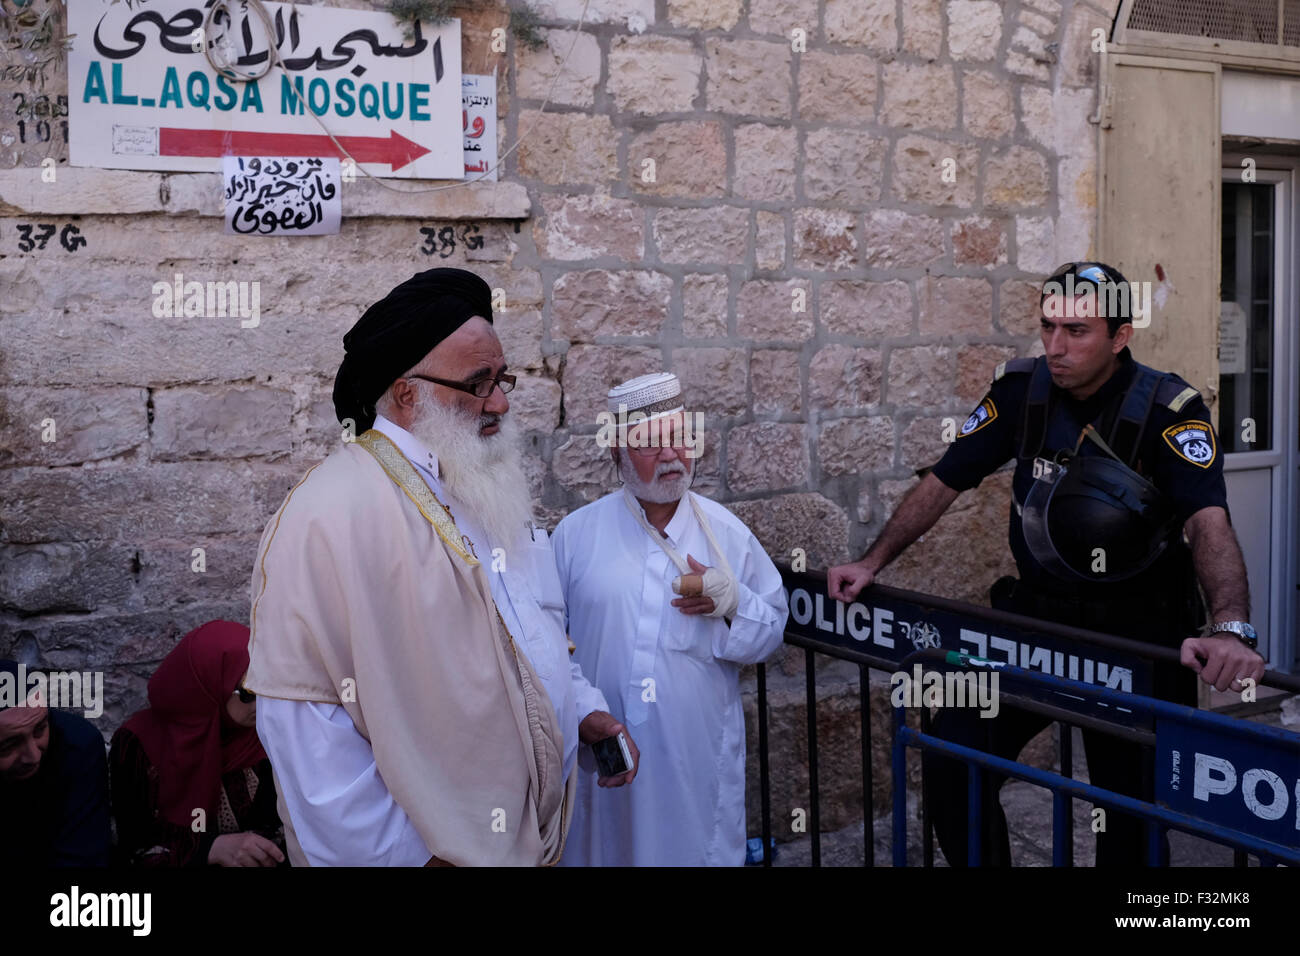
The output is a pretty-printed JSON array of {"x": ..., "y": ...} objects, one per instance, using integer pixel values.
[{"x": 1244, "y": 632}]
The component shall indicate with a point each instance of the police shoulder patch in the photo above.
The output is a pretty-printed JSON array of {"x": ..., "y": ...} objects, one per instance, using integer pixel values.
[
  {"x": 985, "y": 413},
  {"x": 1192, "y": 441}
]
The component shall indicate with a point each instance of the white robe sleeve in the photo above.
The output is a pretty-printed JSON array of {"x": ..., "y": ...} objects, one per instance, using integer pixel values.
[
  {"x": 586, "y": 697},
  {"x": 342, "y": 813},
  {"x": 758, "y": 626}
]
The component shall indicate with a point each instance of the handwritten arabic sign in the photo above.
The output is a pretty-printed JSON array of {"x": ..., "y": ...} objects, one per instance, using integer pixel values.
[
  {"x": 282, "y": 196},
  {"x": 478, "y": 100},
  {"x": 143, "y": 95}
]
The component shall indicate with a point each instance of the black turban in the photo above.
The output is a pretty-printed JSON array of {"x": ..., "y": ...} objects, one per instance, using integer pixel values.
[{"x": 398, "y": 331}]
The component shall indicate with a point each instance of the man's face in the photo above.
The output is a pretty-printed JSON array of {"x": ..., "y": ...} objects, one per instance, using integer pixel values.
[
  {"x": 24, "y": 736},
  {"x": 470, "y": 355},
  {"x": 1077, "y": 341},
  {"x": 658, "y": 455}
]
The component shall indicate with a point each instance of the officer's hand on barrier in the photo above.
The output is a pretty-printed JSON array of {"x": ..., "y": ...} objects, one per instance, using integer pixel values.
[
  {"x": 1222, "y": 661},
  {"x": 844, "y": 581}
]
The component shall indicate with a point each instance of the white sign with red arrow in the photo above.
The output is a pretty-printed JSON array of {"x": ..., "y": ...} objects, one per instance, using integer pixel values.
[{"x": 142, "y": 94}]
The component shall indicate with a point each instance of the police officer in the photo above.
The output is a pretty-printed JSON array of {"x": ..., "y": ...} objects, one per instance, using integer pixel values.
[{"x": 1118, "y": 506}]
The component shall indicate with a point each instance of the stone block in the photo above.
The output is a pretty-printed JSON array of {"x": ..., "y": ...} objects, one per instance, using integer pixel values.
[
  {"x": 769, "y": 240},
  {"x": 986, "y": 105},
  {"x": 774, "y": 378},
  {"x": 979, "y": 242},
  {"x": 770, "y": 311},
  {"x": 808, "y": 520},
  {"x": 1018, "y": 310},
  {"x": 713, "y": 235},
  {"x": 704, "y": 14},
  {"x": 869, "y": 23},
  {"x": 824, "y": 239},
  {"x": 956, "y": 306},
  {"x": 704, "y": 306},
  {"x": 568, "y": 148},
  {"x": 588, "y": 226},
  {"x": 82, "y": 424},
  {"x": 765, "y": 160},
  {"x": 974, "y": 29},
  {"x": 842, "y": 377},
  {"x": 653, "y": 74},
  {"x": 713, "y": 380},
  {"x": 535, "y": 70},
  {"x": 1016, "y": 178},
  {"x": 851, "y": 446},
  {"x": 767, "y": 456},
  {"x": 866, "y": 310},
  {"x": 919, "y": 96},
  {"x": 843, "y": 167},
  {"x": 921, "y": 376},
  {"x": 222, "y": 422},
  {"x": 894, "y": 239},
  {"x": 935, "y": 172},
  {"x": 536, "y": 403},
  {"x": 748, "y": 77},
  {"x": 836, "y": 87},
  {"x": 595, "y": 303},
  {"x": 590, "y": 371},
  {"x": 689, "y": 161}
]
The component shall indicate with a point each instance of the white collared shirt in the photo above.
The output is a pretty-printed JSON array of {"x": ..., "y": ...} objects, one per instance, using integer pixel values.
[{"x": 342, "y": 813}]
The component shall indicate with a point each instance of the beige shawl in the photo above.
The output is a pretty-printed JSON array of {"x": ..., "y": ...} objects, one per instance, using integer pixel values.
[{"x": 365, "y": 596}]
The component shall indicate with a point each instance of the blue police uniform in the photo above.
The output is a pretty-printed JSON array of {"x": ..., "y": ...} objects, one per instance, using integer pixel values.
[{"x": 1161, "y": 428}]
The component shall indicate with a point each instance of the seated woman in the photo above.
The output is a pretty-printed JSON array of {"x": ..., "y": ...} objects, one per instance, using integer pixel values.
[{"x": 191, "y": 784}]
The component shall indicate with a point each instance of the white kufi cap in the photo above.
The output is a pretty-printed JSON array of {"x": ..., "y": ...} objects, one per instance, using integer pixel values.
[{"x": 654, "y": 395}]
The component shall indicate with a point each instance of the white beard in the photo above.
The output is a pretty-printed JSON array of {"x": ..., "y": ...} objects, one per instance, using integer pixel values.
[
  {"x": 660, "y": 491},
  {"x": 484, "y": 473}
]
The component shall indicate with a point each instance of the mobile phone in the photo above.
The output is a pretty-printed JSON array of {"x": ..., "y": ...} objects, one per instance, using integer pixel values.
[{"x": 612, "y": 756}]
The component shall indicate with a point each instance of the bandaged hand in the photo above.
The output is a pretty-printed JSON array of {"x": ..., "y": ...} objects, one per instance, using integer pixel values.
[{"x": 709, "y": 591}]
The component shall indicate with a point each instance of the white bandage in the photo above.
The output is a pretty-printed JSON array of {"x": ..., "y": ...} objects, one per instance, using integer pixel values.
[{"x": 724, "y": 590}]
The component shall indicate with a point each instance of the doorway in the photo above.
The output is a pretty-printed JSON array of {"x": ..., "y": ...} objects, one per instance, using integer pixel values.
[{"x": 1258, "y": 404}]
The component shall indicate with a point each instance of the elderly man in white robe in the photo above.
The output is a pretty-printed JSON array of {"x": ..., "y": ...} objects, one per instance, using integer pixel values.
[
  {"x": 417, "y": 697},
  {"x": 667, "y": 662}
]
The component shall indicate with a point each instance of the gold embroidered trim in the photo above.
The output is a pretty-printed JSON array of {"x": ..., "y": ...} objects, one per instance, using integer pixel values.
[{"x": 413, "y": 486}]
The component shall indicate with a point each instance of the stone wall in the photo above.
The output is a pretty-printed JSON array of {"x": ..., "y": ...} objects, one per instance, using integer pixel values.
[{"x": 832, "y": 236}]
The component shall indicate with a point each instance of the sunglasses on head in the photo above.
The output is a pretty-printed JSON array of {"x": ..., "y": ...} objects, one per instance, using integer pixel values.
[{"x": 1095, "y": 274}]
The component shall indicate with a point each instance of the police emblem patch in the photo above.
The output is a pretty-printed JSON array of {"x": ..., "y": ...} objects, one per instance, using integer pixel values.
[
  {"x": 1193, "y": 442},
  {"x": 982, "y": 415}
]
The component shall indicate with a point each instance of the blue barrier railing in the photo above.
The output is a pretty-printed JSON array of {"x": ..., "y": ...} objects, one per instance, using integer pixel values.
[
  {"x": 1270, "y": 829},
  {"x": 884, "y": 625}
]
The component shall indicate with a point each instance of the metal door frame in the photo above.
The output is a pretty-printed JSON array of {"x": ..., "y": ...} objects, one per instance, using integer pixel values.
[{"x": 1284, "y": 579}]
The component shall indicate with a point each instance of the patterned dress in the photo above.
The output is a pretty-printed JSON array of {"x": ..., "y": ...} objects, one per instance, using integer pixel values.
[{"x": 144, "y": 838}]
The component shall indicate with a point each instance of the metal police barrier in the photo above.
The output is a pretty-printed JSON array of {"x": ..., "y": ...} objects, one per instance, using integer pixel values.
[
  {"x": 1229, "y": 781},
  {"x": 885, "y": 625}
]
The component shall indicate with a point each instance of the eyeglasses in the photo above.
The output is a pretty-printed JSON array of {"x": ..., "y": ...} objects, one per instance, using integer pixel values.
[
  {"x": 677, "y": 444},
  {"x": 245, "y": 696},
  {"x": 480, "y": 389}
]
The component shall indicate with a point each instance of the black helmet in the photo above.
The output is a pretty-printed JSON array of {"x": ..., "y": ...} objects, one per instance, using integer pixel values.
[{"x": 1090, "y": 502}]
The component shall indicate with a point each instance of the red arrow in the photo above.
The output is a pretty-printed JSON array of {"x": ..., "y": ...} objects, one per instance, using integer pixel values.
[{"x": 395, "y": 149}]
